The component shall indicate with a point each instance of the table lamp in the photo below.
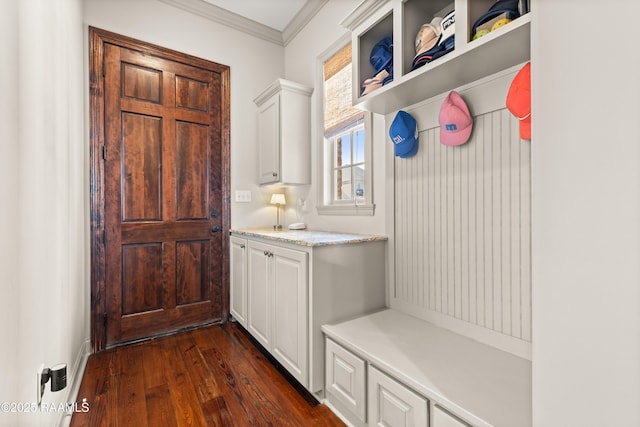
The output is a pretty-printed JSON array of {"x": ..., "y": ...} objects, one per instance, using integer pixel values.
[{"x": 278, "y": 200}]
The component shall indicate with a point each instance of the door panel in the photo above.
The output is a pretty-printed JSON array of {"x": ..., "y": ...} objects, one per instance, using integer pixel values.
[
  {"x": 192, "y": 94},
  {"x": 141, "y": 168},
  {"x": 192, "y": 171},
  {"x": 193, "y": 272},
  {"x": 163, "y": 199},
  {"x": 142, "y": 278},
  {"x": 139, "y": 82}
]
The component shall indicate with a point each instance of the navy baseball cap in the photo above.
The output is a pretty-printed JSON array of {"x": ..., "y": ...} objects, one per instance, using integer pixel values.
[
  {"x": 404, "y": 134},
  {"x": 382, "y": 55}
]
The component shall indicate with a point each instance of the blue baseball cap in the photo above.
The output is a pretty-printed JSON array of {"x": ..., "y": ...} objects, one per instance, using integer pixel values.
[
  {"x": 404, "y": 135},
  {"x": 382, "y": 55}
]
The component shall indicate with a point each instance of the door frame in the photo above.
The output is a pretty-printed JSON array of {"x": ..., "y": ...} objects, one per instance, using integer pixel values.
[{"x": 97, "y": 39}]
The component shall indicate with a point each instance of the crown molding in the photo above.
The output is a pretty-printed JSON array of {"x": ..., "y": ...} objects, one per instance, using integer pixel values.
[
  {"x": 302, "y": 18},
  {"x": 249, "y": 26},
  {"x": 230, "y": 19},
  {"x": 279, "y": 85},
  {"x": 361, "y": 13}
]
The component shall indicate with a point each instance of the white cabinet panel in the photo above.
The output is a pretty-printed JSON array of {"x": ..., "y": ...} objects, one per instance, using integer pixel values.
[
  {"x": 393, "y": 405},
  {"x": 346, "y": 378},
  {"x": 238, "y": 279},
  {"x": 442, "y": 418},
  {"x": 277, "y": 304},
  {"x": 284, "y": 133},
  {"x": 259, "y": 293},
  {"x": 269, "y": 147},
  {"x": 290, "y": 310}
]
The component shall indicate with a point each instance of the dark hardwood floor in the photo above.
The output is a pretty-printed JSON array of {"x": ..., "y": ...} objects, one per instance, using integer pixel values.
[{"x": 213, "y": 376}]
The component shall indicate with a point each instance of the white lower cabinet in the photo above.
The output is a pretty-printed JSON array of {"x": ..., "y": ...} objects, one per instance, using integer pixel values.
[
  {"x": 277, "y": 304},
  {"x": 442, "y": 418},
  {"x": 282, "y": 292},
  {"x": 346, "y": 379},
  {"x": 419, "y": 374},
  {"x": 391, "y": 404},
  {"x": 238, "y": 279},
  {"x": 365, "y": 396}
]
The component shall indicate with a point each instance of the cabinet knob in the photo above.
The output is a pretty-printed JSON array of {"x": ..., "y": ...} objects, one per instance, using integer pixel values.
[
  {"x": 215, "y": 229},
  {"x": 241, "y": 246},
  {"x": 275, "y": 173}
]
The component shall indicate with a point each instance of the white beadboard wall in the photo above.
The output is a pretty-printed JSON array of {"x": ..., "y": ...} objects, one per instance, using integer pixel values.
[{"x": 462, "y": 223}]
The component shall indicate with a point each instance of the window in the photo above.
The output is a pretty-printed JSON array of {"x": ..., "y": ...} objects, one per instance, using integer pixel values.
[
  {"x": 345, "y": 157},
  {"x": 348, "y": 165}
]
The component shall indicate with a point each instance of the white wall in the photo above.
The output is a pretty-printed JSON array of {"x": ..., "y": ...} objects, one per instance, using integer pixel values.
[
  {"x": 586, "y": 214},
  {"x": 301, "y": 65},
  {"x": 585, "y": 185},
  {"x": 9, "y": 213},
  {"x": 44, "y": 279},
  {"x": 254, "y": 64}
]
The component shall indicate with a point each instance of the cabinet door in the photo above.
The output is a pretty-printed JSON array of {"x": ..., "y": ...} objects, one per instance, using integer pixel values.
[
  {"x": 238, "y": 279},
  {"x": 391, "y": 404},
  {"x": 269, "y": 141},
  {"x": 259, "y": 293},
  {"x": 290, "y": 327},
  {"x": 442, "y": 418},
  {"x": 345, "y": 379}
]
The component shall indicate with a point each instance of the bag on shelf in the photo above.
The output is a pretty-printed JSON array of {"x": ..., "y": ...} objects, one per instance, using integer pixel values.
[{"x": 499, "y": 14}]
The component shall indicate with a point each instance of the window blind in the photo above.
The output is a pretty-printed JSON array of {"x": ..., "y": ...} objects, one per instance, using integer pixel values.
[{"x": 339, "y": 112}]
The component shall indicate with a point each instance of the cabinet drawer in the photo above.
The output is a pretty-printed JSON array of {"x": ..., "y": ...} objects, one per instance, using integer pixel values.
[
  {"x": 391, "y": 404},
  {"x": 442, "y": 418},
  {"x": 345, "y": 378}
]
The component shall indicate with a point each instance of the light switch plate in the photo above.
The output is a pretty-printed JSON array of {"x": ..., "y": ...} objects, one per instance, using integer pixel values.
[{"x": 243, "y": 196}]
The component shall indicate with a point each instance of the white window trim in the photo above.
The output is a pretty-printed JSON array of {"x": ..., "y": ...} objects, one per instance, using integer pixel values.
[{"x": 325, "y": 204}]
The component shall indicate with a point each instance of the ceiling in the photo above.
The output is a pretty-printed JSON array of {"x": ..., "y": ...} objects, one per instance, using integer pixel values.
[{"x": 276, "y": 14}]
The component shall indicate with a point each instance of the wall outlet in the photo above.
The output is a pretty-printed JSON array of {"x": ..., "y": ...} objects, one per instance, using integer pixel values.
[{"x": 302, "y": 203}]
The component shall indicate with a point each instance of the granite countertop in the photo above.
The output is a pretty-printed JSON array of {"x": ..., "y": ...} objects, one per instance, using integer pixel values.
[{"x": 308, "y": 237}]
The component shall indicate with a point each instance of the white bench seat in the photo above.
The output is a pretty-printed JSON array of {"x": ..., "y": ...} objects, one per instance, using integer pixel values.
[{"x": 478, "y": 383}]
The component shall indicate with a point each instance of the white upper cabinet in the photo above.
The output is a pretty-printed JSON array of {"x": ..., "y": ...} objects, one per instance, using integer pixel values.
[
  {"x": 284, "y": 133},
  {"x": 506, "y": 46}
]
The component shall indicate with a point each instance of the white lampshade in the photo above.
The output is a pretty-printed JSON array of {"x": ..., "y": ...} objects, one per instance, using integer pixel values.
[{"x": 278, "y": 199}]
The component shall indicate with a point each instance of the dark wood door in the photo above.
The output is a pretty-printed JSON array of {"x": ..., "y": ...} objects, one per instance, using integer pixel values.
[{"x": 165, "y": 236}]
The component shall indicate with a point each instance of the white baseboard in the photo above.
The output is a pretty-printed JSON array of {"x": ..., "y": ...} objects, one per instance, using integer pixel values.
[{"x": 77, "y": 372}]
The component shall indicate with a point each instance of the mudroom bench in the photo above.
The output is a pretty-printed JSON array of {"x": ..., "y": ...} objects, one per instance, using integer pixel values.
[{"x": 392, "y": 369}]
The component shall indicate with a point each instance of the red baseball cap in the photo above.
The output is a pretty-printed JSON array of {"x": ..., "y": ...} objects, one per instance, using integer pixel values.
[{"x": 519, "y": 100}]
